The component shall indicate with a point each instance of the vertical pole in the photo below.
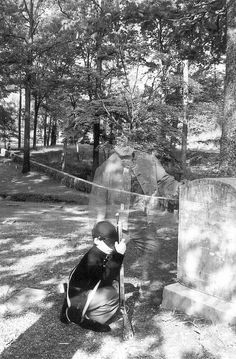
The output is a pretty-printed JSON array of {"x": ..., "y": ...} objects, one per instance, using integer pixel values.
[{"x": 121, "y": 281}]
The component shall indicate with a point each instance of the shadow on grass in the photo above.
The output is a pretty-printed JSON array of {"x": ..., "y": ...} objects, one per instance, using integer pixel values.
[
  {"x": 42, "y": 243},
  {"x": 49, "y": 338},
  {"x": 37, "y": 252},
  {"x": 204, "y": 355},
  {"x": 41, "y": 250}
]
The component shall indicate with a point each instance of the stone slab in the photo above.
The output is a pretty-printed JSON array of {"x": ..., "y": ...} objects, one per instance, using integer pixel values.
[
  {"x": 192, "y": 302},
  {"x": 206, "y": 239}
]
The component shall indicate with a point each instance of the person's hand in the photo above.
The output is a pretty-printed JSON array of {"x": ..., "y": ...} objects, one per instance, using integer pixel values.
[
  {"x": 115, "y": 284},
  {"x": 120, "y": 247}
]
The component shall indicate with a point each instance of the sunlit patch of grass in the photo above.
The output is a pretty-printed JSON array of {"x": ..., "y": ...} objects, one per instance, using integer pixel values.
[
  {"x": 5, "y": 291},
  {"x": 39, "y": 242},
  {"x": 12, "y": 327}
]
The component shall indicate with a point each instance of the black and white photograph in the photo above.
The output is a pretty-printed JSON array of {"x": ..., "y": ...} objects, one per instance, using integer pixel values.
[{"x": 118, "y": 179}]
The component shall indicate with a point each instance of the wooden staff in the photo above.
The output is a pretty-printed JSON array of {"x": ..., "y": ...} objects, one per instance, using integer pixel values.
[{"x": 128, "y": 331}]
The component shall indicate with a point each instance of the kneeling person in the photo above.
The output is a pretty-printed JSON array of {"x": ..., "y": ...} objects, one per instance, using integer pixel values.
[{"x": 92, "y": 298}]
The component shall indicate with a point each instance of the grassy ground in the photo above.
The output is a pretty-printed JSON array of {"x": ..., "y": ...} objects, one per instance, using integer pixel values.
[{"x": 41, "y": 242}]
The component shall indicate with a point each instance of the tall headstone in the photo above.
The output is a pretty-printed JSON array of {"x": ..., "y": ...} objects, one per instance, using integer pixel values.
[{"x": 206, "y": 272}]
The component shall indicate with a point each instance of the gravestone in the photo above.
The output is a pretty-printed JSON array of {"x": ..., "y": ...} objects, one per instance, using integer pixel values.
[{"x": 206, "y": 270}]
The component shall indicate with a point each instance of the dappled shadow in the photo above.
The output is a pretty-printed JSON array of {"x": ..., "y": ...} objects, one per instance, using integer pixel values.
[
  {"x": 47, "y": 337},
  {"x": 50, "y": 338},
  {"x": 35, "y": 186},
  {"x": 13, "y": 171},
  {"x": 38, "y": 250},
  {"x": 41, "y": 242},
  {"x": 41, "y": 247},
  {"x": 204, "y": 355}
]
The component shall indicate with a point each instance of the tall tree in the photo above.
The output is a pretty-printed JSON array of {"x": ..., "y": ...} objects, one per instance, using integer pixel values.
[
  {"x": 26, "y": 36},
  {"x": 28, "y": 12},
  {"x": 92, "y": 22},
  {"x": 228, "y": 139},
  {"x": 19, "y": 114}
]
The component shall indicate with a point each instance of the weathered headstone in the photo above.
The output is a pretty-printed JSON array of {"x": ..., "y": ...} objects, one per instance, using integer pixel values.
[{"x": 206, "y": 251}]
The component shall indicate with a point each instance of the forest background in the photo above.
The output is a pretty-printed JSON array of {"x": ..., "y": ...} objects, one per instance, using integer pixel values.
[{"x": 160, "y": 72}]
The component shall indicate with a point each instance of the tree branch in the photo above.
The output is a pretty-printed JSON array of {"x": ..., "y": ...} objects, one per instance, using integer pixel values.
[
  {"x": 15, "y": 36},
  {"x": 108, "y": 113},
  {"x": 26, "y": 8},
  {"x": 62, "y": 11}
]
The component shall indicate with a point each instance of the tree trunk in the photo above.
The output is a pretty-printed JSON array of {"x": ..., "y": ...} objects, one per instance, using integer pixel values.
[
  {"x": 36, "y": 111},
  {"x": 45, "y": 130},
  {"x": 19, "y": 116},
  {"x": 28, "y": 79},
  {"x": 96, "y": 138},
  {"x": 228, "y": 137},
  {"x": 175, "y": 123},
  {"x": 54, "y": 133},
  {"x": 63, "y": 156},
  {"x": 49, "y": 130},
  {"x": 96, "y": 126},
  {"x": 26, "y": 158},
  {"x": 185, "y": 117}
]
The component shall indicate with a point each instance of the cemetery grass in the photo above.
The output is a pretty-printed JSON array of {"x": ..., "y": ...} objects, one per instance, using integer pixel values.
[
  {"x": 39, "y": 249},
  {"x": 39, "y": 252}
]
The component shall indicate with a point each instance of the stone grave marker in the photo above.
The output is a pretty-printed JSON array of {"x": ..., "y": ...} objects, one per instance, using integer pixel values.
[{"x": 206, "y": 270}]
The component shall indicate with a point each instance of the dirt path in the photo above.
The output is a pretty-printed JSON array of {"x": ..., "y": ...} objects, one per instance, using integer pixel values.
[{"x": 40, "y": 243}]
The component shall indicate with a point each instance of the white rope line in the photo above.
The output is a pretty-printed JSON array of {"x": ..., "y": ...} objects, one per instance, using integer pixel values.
[
  {"x": 94, "y": 184},
  {"x": 131, "y": 193}
]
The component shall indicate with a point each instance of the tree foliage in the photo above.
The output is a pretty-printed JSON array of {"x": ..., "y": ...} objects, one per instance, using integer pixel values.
[
  {"x": 7, "y": 124},
  {"x": 110, "y": 67}
]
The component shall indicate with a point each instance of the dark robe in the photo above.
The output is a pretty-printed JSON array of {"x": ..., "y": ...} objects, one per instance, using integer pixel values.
[{"x": 94, "y": 266}]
